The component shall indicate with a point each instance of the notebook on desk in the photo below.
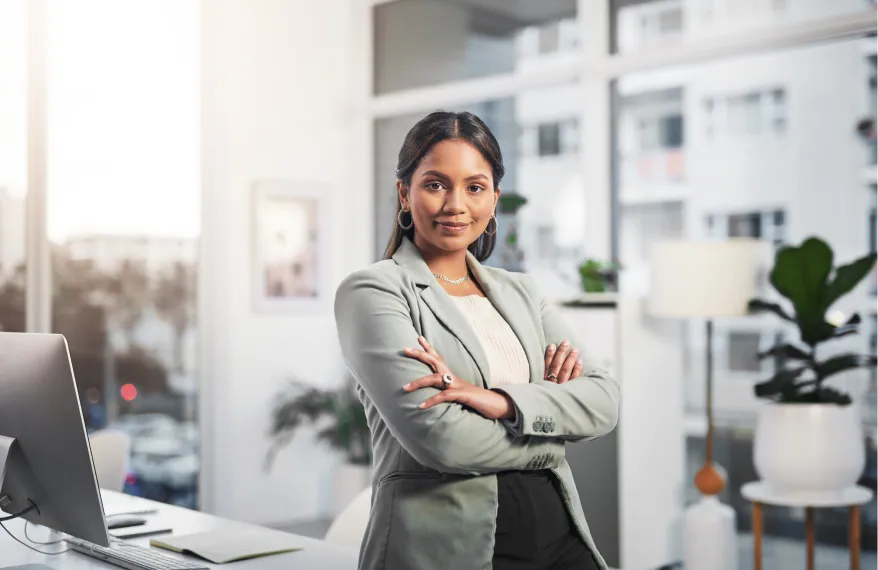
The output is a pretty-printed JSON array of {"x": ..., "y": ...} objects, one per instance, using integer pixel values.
[{"x": 229, "y": 545}]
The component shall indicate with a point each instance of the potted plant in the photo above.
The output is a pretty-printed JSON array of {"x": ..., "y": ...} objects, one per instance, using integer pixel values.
[
  {"x": 509, "y": 255},
  {"x": 810, "y": 438},
  {"x": 598, "y": 276},
  {"x": 341, "y": 424}
]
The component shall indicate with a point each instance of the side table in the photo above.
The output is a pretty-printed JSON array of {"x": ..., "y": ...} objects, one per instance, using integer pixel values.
[{"x": 759, "y": 493}]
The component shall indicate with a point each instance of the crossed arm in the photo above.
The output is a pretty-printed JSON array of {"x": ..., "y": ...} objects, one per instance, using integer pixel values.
[
  {"x": 583, "y": 409},
  {"x": 374, "y": 325}
]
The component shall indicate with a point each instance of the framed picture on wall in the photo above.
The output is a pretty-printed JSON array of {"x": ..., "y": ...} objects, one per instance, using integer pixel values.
[{"x": 290, "y": 252}]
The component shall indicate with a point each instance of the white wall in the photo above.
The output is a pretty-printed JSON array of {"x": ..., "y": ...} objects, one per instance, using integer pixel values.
[{"x": 275, "y": 104}]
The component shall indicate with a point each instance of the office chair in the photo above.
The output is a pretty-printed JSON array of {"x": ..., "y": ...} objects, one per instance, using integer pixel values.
[
  {"x": 110, "y": 451},
  {"x": 349, "y": 526}
]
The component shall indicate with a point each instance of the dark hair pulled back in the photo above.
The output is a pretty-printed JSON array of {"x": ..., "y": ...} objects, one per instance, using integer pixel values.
[{"x": 432, "y": 129}]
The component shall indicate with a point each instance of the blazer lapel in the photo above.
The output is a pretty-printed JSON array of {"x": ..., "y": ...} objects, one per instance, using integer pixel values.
[
  {"x": 511, "y": 306},
  {"x": 443, "y": 307}
]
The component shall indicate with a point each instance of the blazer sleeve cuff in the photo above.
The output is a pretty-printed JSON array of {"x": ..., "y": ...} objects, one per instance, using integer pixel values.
[
  {"x": 513, "y": 426},
  {"x": 528, "y": 422}
]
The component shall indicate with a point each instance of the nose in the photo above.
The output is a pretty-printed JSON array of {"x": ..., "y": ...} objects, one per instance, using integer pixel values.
[{"x": 454, "y": 201}]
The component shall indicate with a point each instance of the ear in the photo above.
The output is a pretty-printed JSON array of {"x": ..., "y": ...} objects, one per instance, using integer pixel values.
[
  {"x": 496, "y": 199},
  {"x": 403, "y": 192}
]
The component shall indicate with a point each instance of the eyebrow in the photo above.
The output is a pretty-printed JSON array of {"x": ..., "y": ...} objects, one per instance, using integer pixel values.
[{"x": 438, "y": 174}]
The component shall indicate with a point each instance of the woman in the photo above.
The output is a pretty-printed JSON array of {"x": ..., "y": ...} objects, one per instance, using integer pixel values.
[{"x": 469, "y": 401}]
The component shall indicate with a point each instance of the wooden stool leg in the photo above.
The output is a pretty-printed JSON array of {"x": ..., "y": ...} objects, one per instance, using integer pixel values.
[
  {"x": 809, "y": 536},
  {"x": 757, "y": 535},
  {"x": 854, "y": 533}
]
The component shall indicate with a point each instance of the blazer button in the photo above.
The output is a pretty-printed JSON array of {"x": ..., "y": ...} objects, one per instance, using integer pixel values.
[
  {"x": 538, "y": 426},
  {"x": 550, "y": 427}
]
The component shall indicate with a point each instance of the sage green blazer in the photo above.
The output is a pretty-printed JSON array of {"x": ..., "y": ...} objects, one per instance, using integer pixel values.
[{"x": 434, "y": 499}]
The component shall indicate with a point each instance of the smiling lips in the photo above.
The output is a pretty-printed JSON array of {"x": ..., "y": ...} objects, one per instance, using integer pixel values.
[{"x": 453, "y": 227}]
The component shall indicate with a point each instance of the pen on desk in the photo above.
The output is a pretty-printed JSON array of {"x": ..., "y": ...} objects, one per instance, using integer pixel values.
[{"x": 145, "y": 532}]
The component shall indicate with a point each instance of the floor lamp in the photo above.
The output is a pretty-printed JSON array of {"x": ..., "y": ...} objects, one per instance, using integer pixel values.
[{"x": 706, "y": 280}]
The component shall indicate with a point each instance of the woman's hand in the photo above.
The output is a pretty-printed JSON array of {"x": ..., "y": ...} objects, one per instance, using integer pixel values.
[
  {"x": 490, "y": 404},
  {"x": 562, "y": 364}
]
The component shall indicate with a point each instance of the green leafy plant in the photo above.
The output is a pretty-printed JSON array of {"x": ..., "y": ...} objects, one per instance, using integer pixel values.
[
  {"x": 598, "y": 276},
  {"x": 805, "y": 276},
  {"x": 510, "y": 202},
  {"x": 337, "y": 413}
]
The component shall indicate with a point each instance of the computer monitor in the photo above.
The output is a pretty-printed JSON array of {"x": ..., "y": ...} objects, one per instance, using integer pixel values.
[{"x": 43, "y": 439}]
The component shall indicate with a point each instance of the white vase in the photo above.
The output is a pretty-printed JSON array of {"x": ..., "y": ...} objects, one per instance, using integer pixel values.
[
  {"x": 710, "y": 541},
  {"x": 349, "y": 480},
  {"x": 809, "y": 448}
]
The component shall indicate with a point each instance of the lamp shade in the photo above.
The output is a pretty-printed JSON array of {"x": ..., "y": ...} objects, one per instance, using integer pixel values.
[{"x": 704, "y": 279}]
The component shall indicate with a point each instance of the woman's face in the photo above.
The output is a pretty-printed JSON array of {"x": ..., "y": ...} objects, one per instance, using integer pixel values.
[{"x": 451, "y": 196}]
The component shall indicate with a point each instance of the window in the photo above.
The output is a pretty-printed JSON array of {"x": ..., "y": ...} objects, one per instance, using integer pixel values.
[
  {"x": 777, "y": 110},
  {"x": 750, "y": 113},
  {"x": 13, "y": 165},
  {"x": 757, "y": 185},
  {"x": 656, "y": 28},
  {"x": 768, "y": 225},
  {"x": 671, "y": 131},
  {"x": 670, "y": 21},
  {"x": 651, "y": 134},
  {"x": 549, "y": 139},
  {"x": 568, "y": 35},
  {"x": 709, "y": 116},
  {"x": 743, "y": 350},
  {"x": 638, "y": 23},
  {"x": 549, "y": 37},
  {"x": 664, "y": 132},
  {"x": 646, "y": 25},
  {"x": 423, "y": 43},
  {"x": 569, "y": 136},
  {"x": 124, "y": 254}
]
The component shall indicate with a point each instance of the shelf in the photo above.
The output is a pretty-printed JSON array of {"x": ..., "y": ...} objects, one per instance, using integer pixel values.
[{"x": 591, "y": 300}]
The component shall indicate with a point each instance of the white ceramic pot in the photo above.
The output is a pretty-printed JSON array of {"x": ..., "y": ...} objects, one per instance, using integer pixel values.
[
  {"x": 809, "y": 448},
  {"x": 349, "y": 481}
]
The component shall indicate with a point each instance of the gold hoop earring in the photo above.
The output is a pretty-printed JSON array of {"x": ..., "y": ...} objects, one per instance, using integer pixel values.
[
  {"x": 495, "y": 226},
  {"x": 399, "y": 220}
]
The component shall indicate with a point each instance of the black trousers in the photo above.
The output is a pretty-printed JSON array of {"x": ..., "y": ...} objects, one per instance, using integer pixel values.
[{"x": 534, "y": 531}]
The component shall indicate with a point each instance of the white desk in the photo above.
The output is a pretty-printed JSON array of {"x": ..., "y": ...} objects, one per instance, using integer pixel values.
[{"x": 315, "y": 553}]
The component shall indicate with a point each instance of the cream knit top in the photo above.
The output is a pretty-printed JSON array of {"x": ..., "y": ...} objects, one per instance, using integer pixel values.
[{"x": 507, "y": 361}]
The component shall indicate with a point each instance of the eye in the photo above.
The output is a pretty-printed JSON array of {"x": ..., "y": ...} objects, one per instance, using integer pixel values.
[
  {"x": 434, "y": 185},
  {"x": 475, "y": 189}
]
